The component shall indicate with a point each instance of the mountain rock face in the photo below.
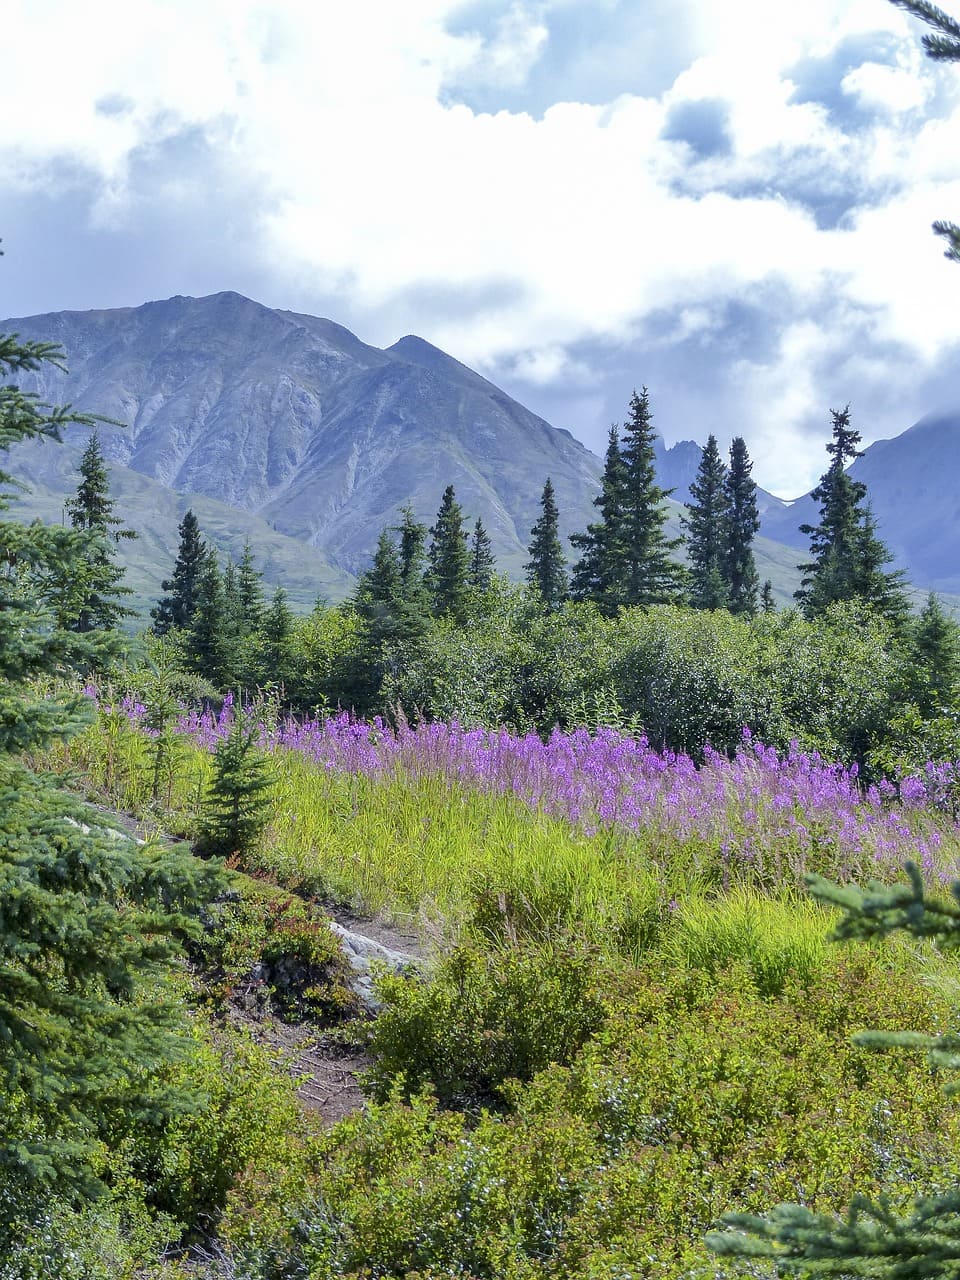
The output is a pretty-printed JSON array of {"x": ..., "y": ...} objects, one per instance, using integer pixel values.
[
  {"x": 293, "y": 419},
  {"x": 913, "y": 487}
]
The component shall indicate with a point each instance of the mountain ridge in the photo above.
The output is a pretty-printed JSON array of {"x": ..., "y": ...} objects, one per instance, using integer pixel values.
[{"x": 294, "y": 422}]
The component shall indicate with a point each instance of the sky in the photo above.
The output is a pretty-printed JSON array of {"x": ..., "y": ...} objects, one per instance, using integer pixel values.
[{"x": 729, "y": 203}]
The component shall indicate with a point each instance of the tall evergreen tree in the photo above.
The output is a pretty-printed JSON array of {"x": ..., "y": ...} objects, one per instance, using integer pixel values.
[
  {"x": 414, "y": 604},
  {"x": 97, "y": 591},
  {"x": 482, "y": 561},
  {"x": 707, "y": 524},
  {"x": 276, "y": 642},
  {"x": 86, "y": 923},
  {"x": 742, "y": 522},
  {"x": 232, "y": 620},
  {"x": 209, "y": 642},
  {"x": 598, "y": 574},
  {"x": 651, "y": 574},
  {"x": 546, "y": 568},
  {"x": 847, "y": 558},
  {"x": 379, "y": 594},
  {"x": 449, "y": 559},
  {"x": 249, "y": 592},
  {"x": 177, "y": 607},
  {"x": 934, "y": 646},
  {"x": 881, "y": 588},
  {"x": 767, "y": 602}
]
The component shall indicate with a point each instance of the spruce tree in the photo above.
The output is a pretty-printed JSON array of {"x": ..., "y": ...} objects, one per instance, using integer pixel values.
[
  {"x": 414, "y": 602},
  {"x": 232, "y": 621},
  {"x": 847, "y": 558},
  {"x": 449, "y": 559},
  {"x": 482, "y": 561},
  {"x": 87, "y": 922},
  {"x": 830, "y": 573},
  {"x": 650, "y": 573},
  {"x": 884, "y": 590},
  {"x": 742, "y": 524},
  {"x": 598, "y": 574},
  {"x": 934, "y": 648},
  {"x": 236, "y": 808},
  {"x": 379, "y": 594},
  {"x": 209, "y": 644},
  {"x": 177, "y": 607},
  {"x": 276, "y": 642},
  {"x": 707, "y": 526},
  {"x": 97, "y": 591},
  {"x": 249, "y": 592},
  {"x": 767, "y": 602},
  {"x": 546, "y": 568}
]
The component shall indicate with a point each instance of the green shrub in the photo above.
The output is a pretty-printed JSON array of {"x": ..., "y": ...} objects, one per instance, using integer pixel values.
[
  {"x": 246, "y": 1114},
  {"x": 483, "y": 1018},
  {"x": 261, "y": 937},
  {"x": 696, "y": 1095}
]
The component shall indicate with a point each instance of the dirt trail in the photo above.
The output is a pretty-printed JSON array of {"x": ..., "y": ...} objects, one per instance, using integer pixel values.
[{"x": 326, "y": 1067}]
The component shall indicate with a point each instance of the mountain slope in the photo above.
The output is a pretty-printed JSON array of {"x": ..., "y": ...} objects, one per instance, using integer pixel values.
[
  {"x": 154, "y": 512},
  {"x": 294, "y": 419}
]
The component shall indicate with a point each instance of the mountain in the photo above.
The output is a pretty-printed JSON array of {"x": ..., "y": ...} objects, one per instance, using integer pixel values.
[
  {"x": 913, "y": 486},
  {"x": 293, "y": 419},
  {"x": 289, "y": 430}
]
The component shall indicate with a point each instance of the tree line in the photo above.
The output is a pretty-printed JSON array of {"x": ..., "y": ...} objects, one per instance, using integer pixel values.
[{"x": 430, "y": 583}]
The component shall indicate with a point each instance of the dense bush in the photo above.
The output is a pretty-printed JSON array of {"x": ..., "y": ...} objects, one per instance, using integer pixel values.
[
  {"x": 697, "y": 1094},
  {"x": 686, "y": 677},
  {"x": 483, "y": 1018}
]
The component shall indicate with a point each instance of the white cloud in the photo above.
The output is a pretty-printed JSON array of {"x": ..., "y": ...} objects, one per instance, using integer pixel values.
[
  {"x": 894, "y": 89},
  {"x": 375, "y": 187}
]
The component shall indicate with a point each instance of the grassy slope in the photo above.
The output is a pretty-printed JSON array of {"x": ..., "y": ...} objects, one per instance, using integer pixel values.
[{"x": 154, "y": 511}]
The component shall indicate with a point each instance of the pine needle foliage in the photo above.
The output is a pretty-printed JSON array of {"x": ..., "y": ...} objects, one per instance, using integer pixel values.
[
  {"x": 88, "y": 922},
  {"x": 177, "y": 607},
  {"x": 848, "y": 560},
  {"x": 598, "y": 574},
  {"x": 238, "y": 801},
  {"x": 99, "y": 589},
  {"x": 449, "y": 558},
  {"x": 482, "y": 560},
  {"x": 742, "y": 523},
  {"x": 943, "y": 46},
  {"x": 706, "y": 524},
  {"x": 651, "y": 574},
  {"x": 546, "y": 569}
]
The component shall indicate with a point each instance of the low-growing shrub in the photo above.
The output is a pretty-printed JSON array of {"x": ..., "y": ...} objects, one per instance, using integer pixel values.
[
  {"x": 267, "y": 948},
  {"x": 698, "y": 1094},
  {"x": 483, "y": 1018}
]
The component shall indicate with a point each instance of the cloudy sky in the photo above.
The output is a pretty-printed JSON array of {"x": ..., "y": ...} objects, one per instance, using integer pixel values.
[{"x": 728, "y": 201}]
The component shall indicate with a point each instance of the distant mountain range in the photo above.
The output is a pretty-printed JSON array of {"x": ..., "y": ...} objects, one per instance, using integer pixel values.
[{"x": 288, "y": 430}]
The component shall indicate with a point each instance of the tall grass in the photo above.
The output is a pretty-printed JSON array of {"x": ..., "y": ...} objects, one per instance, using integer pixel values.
[{"x": 427, "y": 827}]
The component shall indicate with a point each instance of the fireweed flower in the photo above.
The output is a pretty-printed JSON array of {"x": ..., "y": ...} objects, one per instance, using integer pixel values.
[{"x": 793, "y": 807}]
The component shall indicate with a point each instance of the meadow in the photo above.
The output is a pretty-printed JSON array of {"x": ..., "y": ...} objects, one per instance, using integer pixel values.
[{"x": 632, "y": 1020}]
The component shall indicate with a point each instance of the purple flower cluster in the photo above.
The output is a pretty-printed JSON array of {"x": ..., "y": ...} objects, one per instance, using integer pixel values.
[{"x": 782, "y": 813}]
